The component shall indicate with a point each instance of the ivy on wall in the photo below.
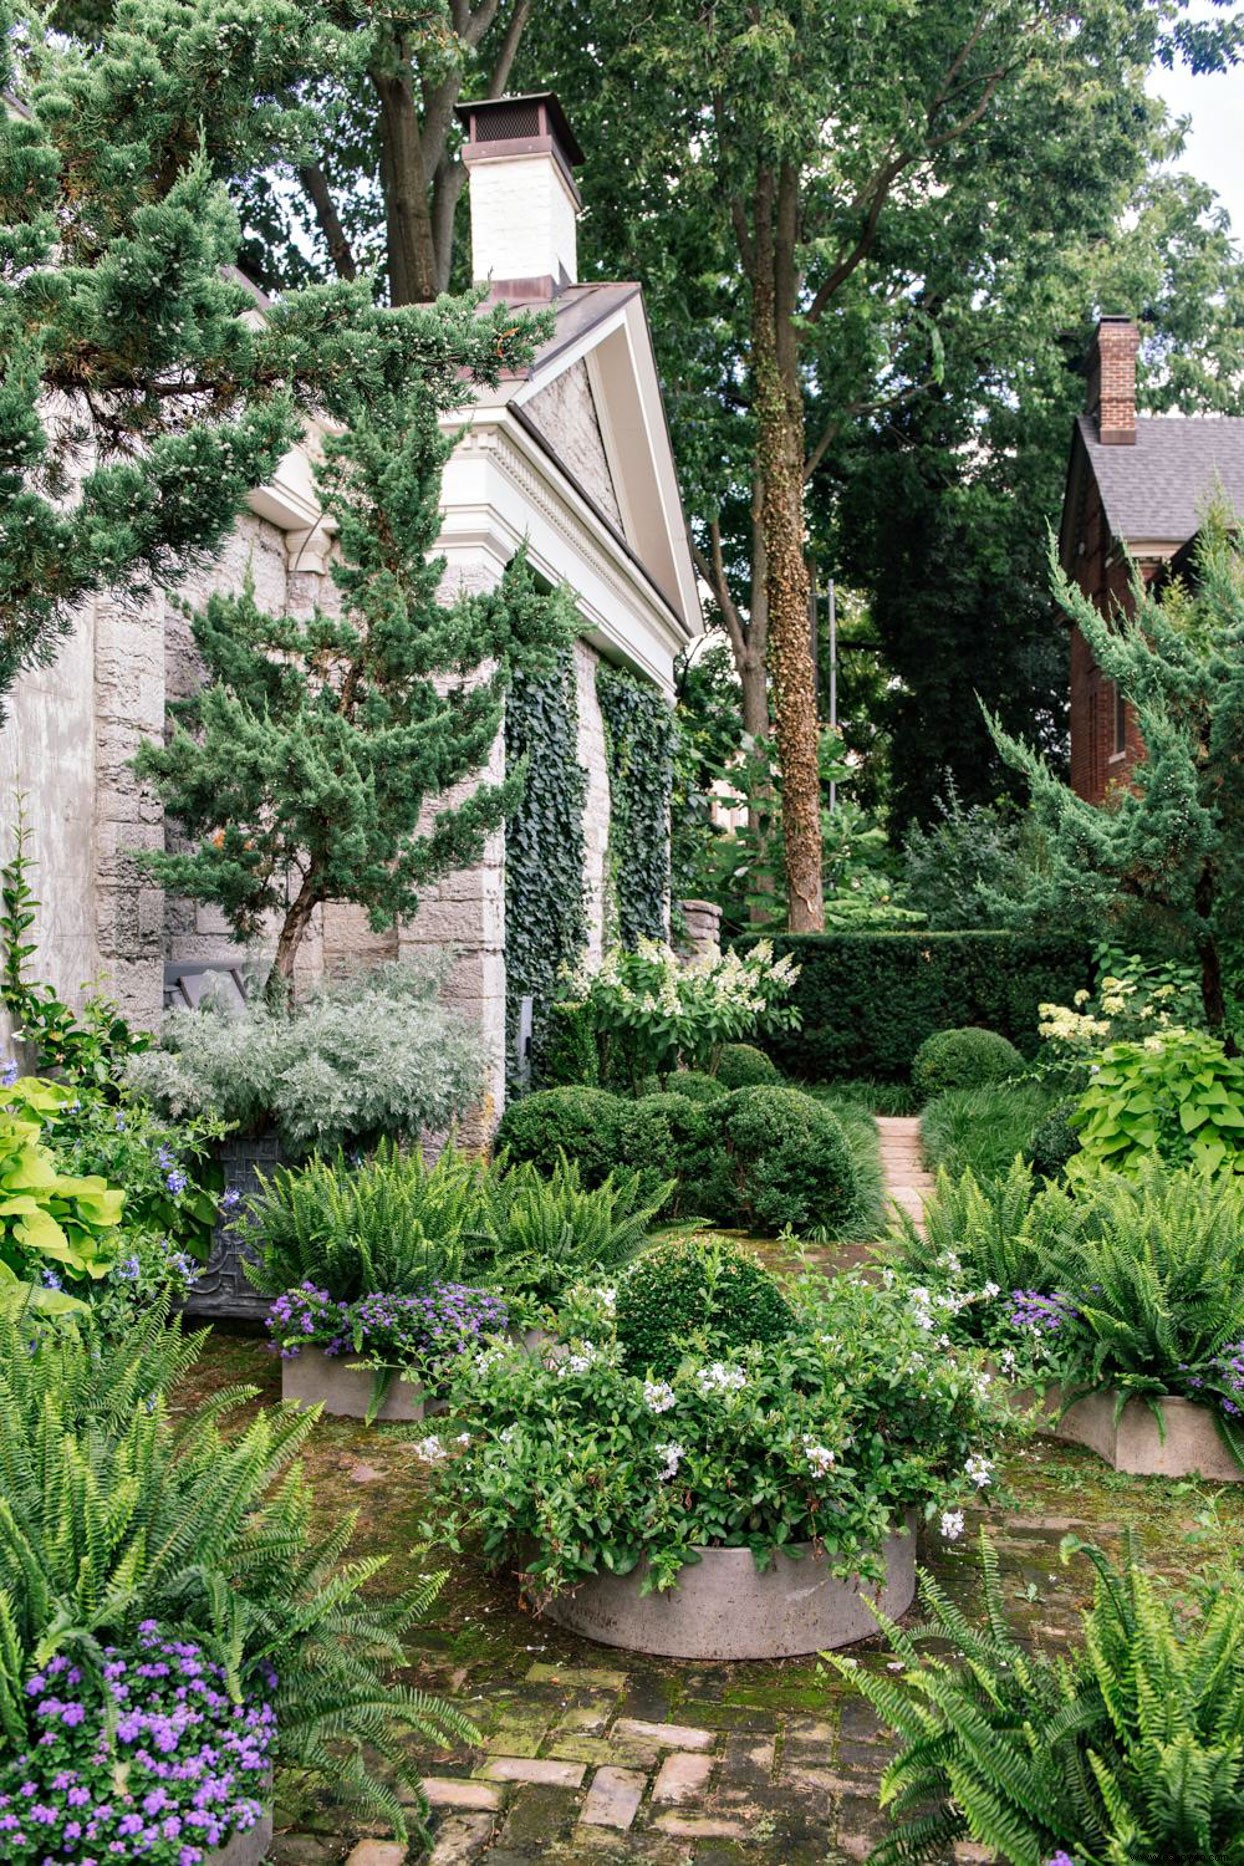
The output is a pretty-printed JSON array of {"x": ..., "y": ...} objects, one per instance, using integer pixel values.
[
  {"x": 545, "y": 909},
  {"x": 639, "y": 737}
]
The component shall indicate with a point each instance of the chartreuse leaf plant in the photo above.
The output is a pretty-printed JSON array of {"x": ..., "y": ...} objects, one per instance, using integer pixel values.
[
  {"x": 1176, "y": 1096},
  {"x": 1129, "y": 1752},
  {"x": 117, "y": 1509},
  {"x": 50, "y": 1220}
]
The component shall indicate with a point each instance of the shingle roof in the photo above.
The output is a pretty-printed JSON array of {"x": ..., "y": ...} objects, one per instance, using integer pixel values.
[{"x": 1158, "y": 488}]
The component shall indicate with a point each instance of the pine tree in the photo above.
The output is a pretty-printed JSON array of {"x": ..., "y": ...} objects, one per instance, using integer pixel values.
[
  {"x": 1168, "y": 846},
  {"x": 323, "y": 749},
  {"x": 141, "y": 396}
]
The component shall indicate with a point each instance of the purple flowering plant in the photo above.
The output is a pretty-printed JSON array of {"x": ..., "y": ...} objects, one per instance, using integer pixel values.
[
  {"x": 427, "y": 1331},
  {"x": 161, "y": 1766}
]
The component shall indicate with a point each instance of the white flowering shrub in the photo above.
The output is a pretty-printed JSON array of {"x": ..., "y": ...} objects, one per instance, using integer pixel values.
[
  {"x": 1132, "y": 1001},
  {"x": 373, "y": 1055},
  {"x": 581, "y": 1461},
  {"x": 650, "y": 1012}
]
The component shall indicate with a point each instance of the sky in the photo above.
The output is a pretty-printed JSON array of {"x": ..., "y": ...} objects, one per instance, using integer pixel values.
[{"x": 1214, "y": 152}]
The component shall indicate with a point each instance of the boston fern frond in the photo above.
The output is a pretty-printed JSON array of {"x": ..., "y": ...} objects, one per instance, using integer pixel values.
[
  {"x": 1129, "y": 1754},
  {"x": 111, "y": 1515}
]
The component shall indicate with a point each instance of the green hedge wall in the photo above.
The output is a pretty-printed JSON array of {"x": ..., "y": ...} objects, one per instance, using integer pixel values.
[{"x": 869, "y": 1000}]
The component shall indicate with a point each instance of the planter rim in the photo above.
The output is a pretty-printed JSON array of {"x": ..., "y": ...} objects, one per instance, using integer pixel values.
[{"x": 723, "y": 1607}]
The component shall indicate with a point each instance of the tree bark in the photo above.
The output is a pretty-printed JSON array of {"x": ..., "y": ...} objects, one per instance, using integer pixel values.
[
  {"x": 316, "y": 189},
  {"x": 1213, "y": 995},
  {"x": 408, "y": 222},
  {"x": 780, "y": 454},
  {"x": 297, "y": 920}
]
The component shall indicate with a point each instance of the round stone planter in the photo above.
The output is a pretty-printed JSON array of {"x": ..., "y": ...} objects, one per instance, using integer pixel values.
[
  {"x": 724, "y": 1607},
  {"x": 313, "y": 1378},
  {"x": 244, "y": 1849},
  {"x": 1188, "y": 1444}
]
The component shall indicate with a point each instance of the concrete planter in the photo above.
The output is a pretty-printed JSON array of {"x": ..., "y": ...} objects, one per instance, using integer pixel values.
[
  {"x": 725, "y": 1608},
  {"x": 1189, "y": 1445},
  {"x": 314, "y": 1378},
  {"x": 244, "y": 1849}
]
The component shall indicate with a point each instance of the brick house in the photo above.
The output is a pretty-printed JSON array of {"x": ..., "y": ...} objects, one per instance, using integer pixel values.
[
  {"x": 572, "y": 457},
  {"x": 1137, "y": 486}
]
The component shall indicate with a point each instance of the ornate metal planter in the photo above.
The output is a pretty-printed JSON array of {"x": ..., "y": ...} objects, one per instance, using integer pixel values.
[{"x": 221, "y": 1291}]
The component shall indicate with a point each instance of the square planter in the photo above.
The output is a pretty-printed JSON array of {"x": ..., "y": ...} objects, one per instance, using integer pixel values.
[
  {"x": 313, "y": 1378},
  {"x": 1190, "y": 1444},
  {"x": 244, "y": 1849}
]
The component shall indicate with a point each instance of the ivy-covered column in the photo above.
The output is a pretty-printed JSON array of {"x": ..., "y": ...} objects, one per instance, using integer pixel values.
[
  {"x": 639, "y": 734},
  {"x": 545, "y": 912}
]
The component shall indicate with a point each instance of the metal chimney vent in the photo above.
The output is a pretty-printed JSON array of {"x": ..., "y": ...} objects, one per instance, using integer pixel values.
[{"x": 507, "y": 121}]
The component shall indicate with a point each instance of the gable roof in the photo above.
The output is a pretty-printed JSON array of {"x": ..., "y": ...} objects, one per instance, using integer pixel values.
[
  {"x": 1156, "y": 490},
  {"x": 604, "y": 327}
]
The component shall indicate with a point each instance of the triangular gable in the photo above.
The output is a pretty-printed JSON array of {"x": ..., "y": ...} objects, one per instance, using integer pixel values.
[
  {"x": 564, "y": 410},
  {"x": 602, "y": 337}
]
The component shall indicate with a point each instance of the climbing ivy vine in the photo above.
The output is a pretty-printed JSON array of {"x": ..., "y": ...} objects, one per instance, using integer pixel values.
[
  {"x": 545, "y": 908},
  {"x": 639, "y": 736}
]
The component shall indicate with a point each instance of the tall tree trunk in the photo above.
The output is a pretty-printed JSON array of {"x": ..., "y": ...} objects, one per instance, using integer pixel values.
[
  {"x": 408, "y": 222},
  {"x": 778, "y": 412},
  {"x": 1213, "y": 996}
]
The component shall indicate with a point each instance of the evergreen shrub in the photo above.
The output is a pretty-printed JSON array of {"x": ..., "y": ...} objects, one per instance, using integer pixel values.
[
  {"x": 1054, "y": 1143},
  {"x": 672, "y": 1134},
  {"x": 693, "y": 1083},
  {"x": 789, "y": 1163},
  {"x": 867, "y": 1001},
  {"x": 742, "y": 1065},
  {"x": 584, "y": 1124},
  {"x": 703, "y": 1289},
  {"x": 963, "y": 1059}
]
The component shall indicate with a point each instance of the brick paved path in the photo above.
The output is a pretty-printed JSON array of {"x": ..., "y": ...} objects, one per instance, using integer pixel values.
[{"x": 908, "y": 1181}]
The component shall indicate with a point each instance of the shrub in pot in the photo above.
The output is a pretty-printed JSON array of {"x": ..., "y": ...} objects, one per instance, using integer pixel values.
[
  {"x": 371, "y": 1055},
  {"x": 696, "y": 1296},
  {"x": 826, "y": 1437},
  {"x": 963, "y": 1059}
]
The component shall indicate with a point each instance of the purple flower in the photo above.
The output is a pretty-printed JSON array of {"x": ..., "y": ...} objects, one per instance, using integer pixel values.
[
  {"x": 1040, "y": 1313},
  {"x": 176, "y": 1181},
  {"x": 9, "y": 1073}
]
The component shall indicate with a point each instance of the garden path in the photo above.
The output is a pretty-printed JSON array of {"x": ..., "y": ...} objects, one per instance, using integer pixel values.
[{"x": 908, "y": 1182}]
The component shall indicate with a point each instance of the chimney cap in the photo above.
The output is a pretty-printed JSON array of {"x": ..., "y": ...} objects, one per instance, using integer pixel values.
[{"x": 520, "y": 116}]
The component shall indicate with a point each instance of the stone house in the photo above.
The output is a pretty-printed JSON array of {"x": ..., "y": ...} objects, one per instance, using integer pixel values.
[
  {"x": 573, "y": 457},
  {"x": 1137, "y": 486}
]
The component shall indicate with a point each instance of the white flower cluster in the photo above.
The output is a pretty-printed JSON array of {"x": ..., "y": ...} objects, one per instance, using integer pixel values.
[
  {"x": 820, "y": 1457},
  {"x": 659, "y": 1396},
  {"x": 578, "y": 1363},
  {"x": 952, "y": 1524},
  {"x": 672, "y": 1456},
  {"x": 980, "y": 1471},
  {"x": 429, "y": 1450},
  {"x": 718, "y": 1378}
]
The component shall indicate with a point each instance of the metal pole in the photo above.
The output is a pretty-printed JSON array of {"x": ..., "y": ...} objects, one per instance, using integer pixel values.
[{"x": 833, "y": 681}]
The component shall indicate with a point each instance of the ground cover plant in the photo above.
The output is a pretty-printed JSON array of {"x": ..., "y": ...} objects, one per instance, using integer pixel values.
[
  {"x": 980, "y": 1130},
  {"x": 1130, "y": 1748},
  {"x": 582, "y": 1461},
  {"x": 121, "y": 1519}
]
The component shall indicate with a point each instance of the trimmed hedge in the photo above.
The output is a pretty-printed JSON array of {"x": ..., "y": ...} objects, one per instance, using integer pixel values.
[
  {"x": 764, "y": 1157},
  {"x": 701, "y": 1286},
  {"x": 867, "y": 1001},
  {"x": 742, "y": 1065}
]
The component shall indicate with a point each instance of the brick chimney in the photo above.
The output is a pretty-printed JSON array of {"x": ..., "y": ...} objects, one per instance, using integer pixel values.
[
  {"x": 520, "y": 155},
  {"x": 1112, "y": 381}
]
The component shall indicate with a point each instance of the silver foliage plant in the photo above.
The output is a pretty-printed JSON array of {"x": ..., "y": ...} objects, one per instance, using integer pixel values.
[{"x": 373, "y": 1054}]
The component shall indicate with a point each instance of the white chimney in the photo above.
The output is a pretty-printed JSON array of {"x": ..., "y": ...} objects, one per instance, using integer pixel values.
[{"x": 520, "y": 154}]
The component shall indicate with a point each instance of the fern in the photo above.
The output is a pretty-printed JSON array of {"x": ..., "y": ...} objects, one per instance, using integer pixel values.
[
  {"x": 1130, "y": 1754},
  {"x": 113, "y": 1510}
]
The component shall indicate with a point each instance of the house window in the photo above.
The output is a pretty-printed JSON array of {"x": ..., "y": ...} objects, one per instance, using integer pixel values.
[{"x": 1119, "y": 747}]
